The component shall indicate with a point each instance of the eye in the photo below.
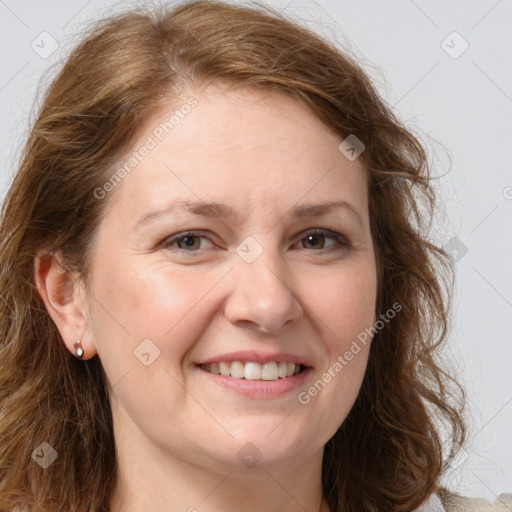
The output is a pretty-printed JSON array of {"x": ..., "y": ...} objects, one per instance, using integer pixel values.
[
  {"x": 316, "y": 239},
  {"x": 188, "y": 241}
]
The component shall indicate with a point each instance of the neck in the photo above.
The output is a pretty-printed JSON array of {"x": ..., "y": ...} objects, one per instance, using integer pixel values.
[{"x": 150, "y": 480}]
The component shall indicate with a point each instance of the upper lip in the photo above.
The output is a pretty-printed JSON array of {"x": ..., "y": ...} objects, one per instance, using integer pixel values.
[{"x": 258, "y": 357}]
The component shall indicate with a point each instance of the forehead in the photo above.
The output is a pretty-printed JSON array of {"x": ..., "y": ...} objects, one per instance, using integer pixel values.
[{"x": 247, "y": 144}]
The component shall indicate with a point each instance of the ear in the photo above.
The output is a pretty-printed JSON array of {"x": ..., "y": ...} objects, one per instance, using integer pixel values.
[{"x": 64, "y": 295}]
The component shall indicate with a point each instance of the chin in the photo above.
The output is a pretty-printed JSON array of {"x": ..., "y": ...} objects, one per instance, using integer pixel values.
[{"x": 262, "y": 447}]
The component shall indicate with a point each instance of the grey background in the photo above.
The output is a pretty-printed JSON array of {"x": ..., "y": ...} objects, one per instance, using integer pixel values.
[{"x": 458, "y": 103}]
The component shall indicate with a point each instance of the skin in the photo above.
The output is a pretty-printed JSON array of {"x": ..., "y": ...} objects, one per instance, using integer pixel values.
[{"x": 177, "y": 434}]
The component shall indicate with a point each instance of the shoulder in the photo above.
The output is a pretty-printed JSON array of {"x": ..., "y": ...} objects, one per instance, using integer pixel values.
[{"x": 448, "y": 501}]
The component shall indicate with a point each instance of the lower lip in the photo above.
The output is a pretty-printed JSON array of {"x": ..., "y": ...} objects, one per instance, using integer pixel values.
[{"x": 259, "y": 389}]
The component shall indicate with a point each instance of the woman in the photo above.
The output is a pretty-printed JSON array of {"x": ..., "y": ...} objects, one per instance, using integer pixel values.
[{"x": 220, "y": 219}]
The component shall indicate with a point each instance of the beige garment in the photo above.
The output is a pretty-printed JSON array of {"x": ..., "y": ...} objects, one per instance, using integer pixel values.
[{"x": 453, "y": 502}]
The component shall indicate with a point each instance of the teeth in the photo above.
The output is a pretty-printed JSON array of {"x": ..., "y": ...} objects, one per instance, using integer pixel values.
[
  {"x": 224, "y": 369},
  {"x": 283, "y": 369},
  {"x": 251, "y": 370},
  {"x": 269, "y": 371},
  {"x": 237, "y": 370}
]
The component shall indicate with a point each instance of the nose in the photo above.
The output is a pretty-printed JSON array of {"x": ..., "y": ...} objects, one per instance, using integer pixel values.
[{"x": 260, "y": 298}]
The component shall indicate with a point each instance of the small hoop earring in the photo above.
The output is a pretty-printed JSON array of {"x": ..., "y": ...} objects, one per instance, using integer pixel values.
[{"x": 79, "y": 350}]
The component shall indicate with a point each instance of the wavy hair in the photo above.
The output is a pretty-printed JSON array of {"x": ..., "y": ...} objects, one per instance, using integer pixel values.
[{"x": 388, "y": 454}]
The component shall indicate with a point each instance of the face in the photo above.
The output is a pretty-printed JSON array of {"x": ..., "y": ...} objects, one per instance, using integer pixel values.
[{"x": 267, "y": 274}]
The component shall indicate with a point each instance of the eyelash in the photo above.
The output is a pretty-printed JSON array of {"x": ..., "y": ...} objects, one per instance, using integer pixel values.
[{"x": 342, "y": 242}]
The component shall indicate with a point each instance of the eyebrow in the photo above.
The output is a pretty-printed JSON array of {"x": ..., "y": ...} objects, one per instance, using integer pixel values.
[{"x": 220, "y": 210}]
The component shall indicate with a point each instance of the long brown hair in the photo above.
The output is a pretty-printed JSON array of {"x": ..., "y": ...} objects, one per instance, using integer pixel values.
[{"x": 387, "y": 455}]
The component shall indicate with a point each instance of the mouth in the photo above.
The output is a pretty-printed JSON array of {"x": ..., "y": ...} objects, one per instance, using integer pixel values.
[
  {"x": 253, "y": 370},
  {"x": 255, "y": 374}
]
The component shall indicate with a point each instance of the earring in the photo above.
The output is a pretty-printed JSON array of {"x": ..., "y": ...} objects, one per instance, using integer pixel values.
[{"x": 79, "y": 350}]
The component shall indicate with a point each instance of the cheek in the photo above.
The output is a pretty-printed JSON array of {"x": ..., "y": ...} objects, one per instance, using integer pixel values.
[
  {"x": 168, "y": 306},
  {"x": 344, "y": 307},
  {"x": 343, "y": 301}
]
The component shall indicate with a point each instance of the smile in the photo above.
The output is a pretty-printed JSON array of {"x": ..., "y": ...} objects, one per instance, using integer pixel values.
[{"x": 252, "y": 370}]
